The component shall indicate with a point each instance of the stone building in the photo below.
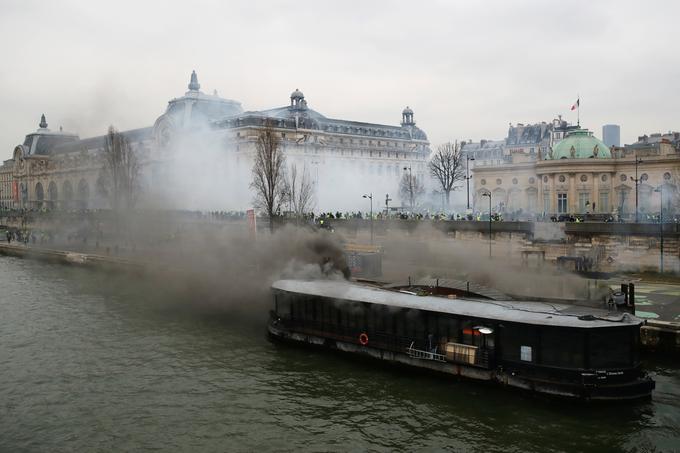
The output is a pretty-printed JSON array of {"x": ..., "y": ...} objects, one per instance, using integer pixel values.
[
  {"x": 530, "y": 139},
  {"x": 213, "y": 139},
  {"x": 579, "y": 174}
]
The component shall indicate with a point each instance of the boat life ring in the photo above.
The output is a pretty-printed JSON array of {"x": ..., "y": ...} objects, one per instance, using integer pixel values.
[{"x": 363, "y": 339}]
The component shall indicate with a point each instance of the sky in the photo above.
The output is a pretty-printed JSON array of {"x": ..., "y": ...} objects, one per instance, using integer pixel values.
[{"x": 466, "y": 68}]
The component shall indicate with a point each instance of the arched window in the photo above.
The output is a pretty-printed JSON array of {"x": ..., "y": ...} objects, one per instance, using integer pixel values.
[
  {"x": 39, "y": 195},
  {"x": 83, "y": 196},
  {"x": 67, "y": 194},
  {"x": 52, "y": 195}
]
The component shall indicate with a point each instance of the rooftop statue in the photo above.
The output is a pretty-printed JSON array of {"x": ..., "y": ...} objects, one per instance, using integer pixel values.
[{"x": 193, "y": 84}]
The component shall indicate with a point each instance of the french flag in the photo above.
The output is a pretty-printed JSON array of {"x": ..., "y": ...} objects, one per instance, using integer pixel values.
[{"x": 576, "y": 104}]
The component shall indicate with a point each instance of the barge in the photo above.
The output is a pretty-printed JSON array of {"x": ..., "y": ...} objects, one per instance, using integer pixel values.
[{"x": 559, "y": 350}]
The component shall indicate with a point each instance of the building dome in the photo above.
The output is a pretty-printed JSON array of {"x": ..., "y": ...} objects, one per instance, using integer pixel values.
[
  {"x": 407, "y": 111},
  {"x": 297, "y": 94},
  {"x": 580, "y": 144}
]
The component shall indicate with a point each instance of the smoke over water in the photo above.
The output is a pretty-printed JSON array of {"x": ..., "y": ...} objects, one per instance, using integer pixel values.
[
  {"x": 428, "y": 252},
  {"x": 217, "y": 264}
]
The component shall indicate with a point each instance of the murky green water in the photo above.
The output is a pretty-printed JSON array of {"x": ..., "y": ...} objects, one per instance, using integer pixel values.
[{"x": 90, "y": 362}]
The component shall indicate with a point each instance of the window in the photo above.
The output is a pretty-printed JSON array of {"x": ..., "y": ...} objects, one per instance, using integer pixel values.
[
  {"x": 546, "y": 202},
  {"x": 611, "y": 347},
  {"x": 604, "y": 202},
  {"x": 563, "y": 348},
  {"x": 623, "y": 197},
  {"x": 518, "y": 342},
  {"x": 562, "y": 203},
  {"x": 583, "y": 201}
]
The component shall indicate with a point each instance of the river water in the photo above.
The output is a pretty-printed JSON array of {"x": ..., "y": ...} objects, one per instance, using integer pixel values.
[{"x": 94, "y": 362}]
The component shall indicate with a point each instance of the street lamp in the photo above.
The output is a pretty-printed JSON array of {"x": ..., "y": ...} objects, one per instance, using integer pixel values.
[
  {"x": 410, "y": 185},
  {"x": 370, "y": 197},
  {"x": 468, "y": 177},
  {"x": 637, "y": 180},
  {"x": 660, "y": 190},
  {"x": 316, "y": 165},
  {"x": 488, "y": 194}
]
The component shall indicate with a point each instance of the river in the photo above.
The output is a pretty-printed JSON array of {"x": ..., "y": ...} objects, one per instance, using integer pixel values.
[{"x": 95, "y": 362}]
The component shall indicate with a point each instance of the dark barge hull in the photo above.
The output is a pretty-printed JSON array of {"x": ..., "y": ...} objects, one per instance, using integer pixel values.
[{"x": 636, "y": 390}]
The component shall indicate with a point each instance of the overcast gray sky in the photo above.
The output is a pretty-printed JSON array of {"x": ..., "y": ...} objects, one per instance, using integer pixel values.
[{"x": 466, "y": 68}]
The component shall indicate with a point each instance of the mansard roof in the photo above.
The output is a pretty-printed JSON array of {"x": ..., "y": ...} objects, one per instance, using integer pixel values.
[
  {"x": 133, "y": 135},
  {"x": 311, "y": 119},
  {"x": 482, "y": 145},
  {"x": 531, "y": 134}
]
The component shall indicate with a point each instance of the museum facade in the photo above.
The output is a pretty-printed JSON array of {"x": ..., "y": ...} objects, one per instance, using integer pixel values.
[{"x": 59, "y": 170}]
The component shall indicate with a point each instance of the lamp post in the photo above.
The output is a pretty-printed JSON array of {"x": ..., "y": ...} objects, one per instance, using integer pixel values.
[
  {"x": 468, "y": 177},
  {"x": 387, "y": 204},
  {"x": 637, "y": 180},
  {"x": 660, "y": 190},
  {"x": 410, "y": 185},
  {"x": 316, "y": 179},
  {"x": 370, "y": 197},
  {"x": 488, "y": 194}
]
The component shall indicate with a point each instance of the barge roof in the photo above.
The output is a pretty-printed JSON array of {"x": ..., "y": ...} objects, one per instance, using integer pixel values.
[{"x": 537, "y": 313}]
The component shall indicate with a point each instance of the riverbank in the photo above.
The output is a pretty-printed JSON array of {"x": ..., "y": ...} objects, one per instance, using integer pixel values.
[{"x": 101, "y": 262}]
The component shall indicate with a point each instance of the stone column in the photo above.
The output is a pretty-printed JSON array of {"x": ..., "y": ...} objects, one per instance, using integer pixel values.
[
  {"x": 612, "y": 192},
  {"x": 539, "y": 201},
  {"x": 553, "y": 195},
  {"x": 572, "y": 202},
  {"x": 595, "y": 197}
]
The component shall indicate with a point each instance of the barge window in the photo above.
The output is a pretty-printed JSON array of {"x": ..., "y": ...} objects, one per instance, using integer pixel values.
[
  {"x": 322, "y": 313},
  {"x": 376, "y": 321},
  {"x": 355, "y": 313},
  {"x": 610, "y": 347},
  {"x": 297, "y": 308},
  {"x": 332, "y": 312},
  {"x": 283, "y": 305},
  {"x": 513, "y": 338},
  {"x": 562, "y": 347},
  {"x": 309, "y": 309},
  {"x": 455, "y": 331},
  {"x": 369, "y": 317},
  {"x": 346, "y": 313},
  {"x": 414, "y": 325},
  {"x": 399, "y": 321},
  {"x": 443, "y": 326}
]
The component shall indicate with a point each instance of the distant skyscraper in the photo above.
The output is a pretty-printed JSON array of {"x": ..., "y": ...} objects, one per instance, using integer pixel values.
[{"x": 611, "y": 135}]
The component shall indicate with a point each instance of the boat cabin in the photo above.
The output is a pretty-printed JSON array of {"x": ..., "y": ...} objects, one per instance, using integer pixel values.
[{"x": 531, "y": 338}]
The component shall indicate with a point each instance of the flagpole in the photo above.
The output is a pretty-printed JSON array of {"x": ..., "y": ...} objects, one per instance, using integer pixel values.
[{"x": 578, "y": 110}]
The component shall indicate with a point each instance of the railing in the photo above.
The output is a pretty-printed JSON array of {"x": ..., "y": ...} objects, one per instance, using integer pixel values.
[
  {"x": 424, "y": 355},
  {"x": 483, "y": 356}
]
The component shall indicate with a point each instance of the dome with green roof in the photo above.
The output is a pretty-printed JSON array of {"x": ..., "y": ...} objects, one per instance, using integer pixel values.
[{"x": 579, "y": 144}]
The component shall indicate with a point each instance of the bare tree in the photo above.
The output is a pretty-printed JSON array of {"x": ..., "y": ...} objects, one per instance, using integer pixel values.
[
  {"x": 446, "y": 166},
  {"x": 268, "y": 173},
  {"x": 300, "y": 190},
  {"x": 119, "y": 177},
  {"x": 411, "y": 188}
]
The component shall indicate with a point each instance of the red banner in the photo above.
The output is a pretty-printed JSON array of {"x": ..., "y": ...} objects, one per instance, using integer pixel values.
[
  {"x": 252, "y": 222},
  {"x": 15, "y": 190}
]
